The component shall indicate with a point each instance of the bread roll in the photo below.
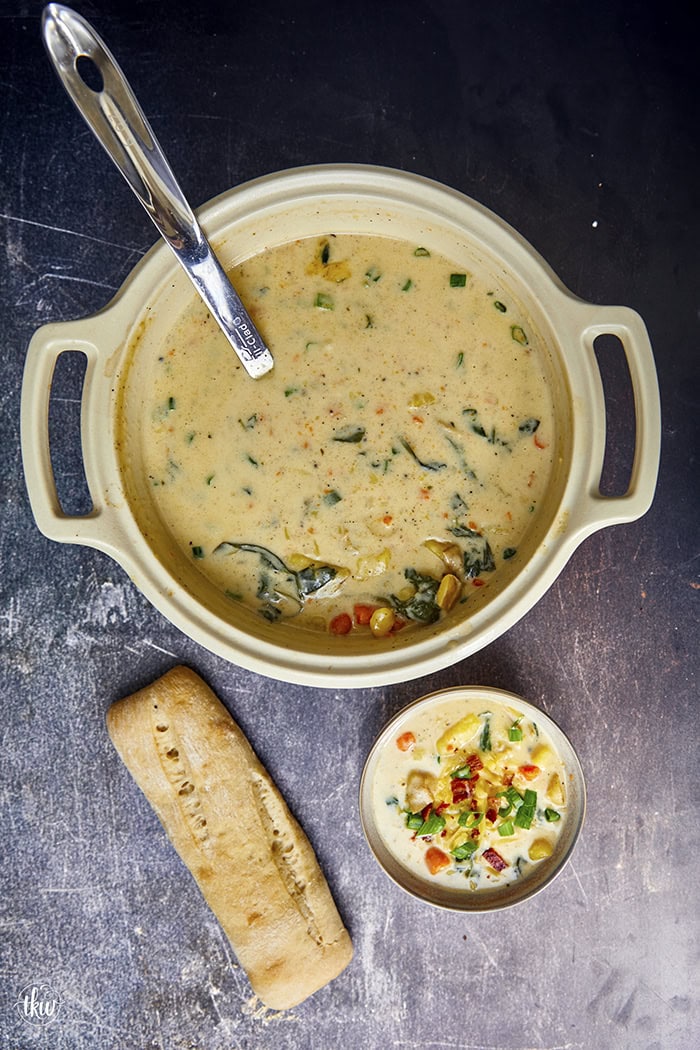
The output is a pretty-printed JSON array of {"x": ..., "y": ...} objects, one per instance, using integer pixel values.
[{"x": 231, "y": 827}]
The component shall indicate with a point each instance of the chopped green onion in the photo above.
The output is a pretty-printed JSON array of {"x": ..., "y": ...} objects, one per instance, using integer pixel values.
[
  {"x": 500, "y": 306},
  {"x": 460, "y": 360},
  {"x": 414, "y": 821},
  {"x": 506, "y": 828},
  {"x": 518, "y": 334},
  {"x": 509, "y": 552},
  {"x": 407, "y": 285},
  {"x": 422, "y": 253},
  {"x": 171, "y": 404},
  {"x": 485, "y": 740},
  {"x": 463, "y": 773},
  {"x": 551, "y": 815},
  {"x": 332, "y": 497},
  {"x": 432, "y": 825},
  {"x": 466, "y": 850},
  {"x": 515, "y": 732},
  {"x": 526, "y": 814},
  {"x": 325, "y": 252},
  {"x": 458, "y": 280},
  {"x": 197, "y": 552},
  {"x": 323, "y": 301},
  {"x": 372, "y": 275}
]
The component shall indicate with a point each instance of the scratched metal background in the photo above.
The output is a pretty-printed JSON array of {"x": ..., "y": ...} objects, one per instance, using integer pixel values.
[{"x": 578, "y": 124}]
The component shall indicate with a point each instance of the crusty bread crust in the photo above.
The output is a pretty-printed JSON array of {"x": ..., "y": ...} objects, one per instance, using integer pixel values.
[{"x": 231, "y": 827}]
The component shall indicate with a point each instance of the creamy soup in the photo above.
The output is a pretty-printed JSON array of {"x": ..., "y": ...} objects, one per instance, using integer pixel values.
[
  {"x": 471, "y": 793},
  {"x": 392, "y": 460}
]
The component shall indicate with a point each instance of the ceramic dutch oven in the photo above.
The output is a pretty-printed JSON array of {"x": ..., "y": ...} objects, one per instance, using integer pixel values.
[{"x": 120, "y": 344}]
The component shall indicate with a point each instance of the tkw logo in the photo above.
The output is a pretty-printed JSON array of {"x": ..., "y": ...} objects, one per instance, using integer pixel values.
[{"x": 38, "y": 1004}]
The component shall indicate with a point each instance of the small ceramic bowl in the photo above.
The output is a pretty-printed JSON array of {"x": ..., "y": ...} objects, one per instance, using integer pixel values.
[{"x": 419, "y": 747}]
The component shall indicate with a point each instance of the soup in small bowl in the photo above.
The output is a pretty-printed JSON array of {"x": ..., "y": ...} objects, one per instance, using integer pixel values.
[{"x": 472, "y": 799}]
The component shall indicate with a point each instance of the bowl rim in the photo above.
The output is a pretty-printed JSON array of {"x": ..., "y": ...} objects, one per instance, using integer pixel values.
[{"x": 457, "y": 900}]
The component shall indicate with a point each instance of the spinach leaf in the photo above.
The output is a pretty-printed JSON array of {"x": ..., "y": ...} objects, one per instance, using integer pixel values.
[
  {"x": 428, "y": 464},
  {"x": 351, "y": 434},
  {"x": 421, "y": 606},
  {"x": 313, "y": 578},
  {"x": 478, "y": 556}
]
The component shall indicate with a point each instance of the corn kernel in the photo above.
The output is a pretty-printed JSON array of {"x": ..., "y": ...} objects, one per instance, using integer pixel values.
[
  {"x": 448, "y": 592},
  {"x": 381, "y": 621}
]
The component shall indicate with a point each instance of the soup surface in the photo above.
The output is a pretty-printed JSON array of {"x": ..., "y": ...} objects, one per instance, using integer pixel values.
[
  {"x": 391, "y": 461},
  {"x": 471, "y": 793}
]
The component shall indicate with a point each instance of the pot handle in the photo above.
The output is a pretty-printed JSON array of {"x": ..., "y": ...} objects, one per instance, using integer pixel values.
[
  {"x": 100, "y": 527},
  {"x": 598, "y": 510}
]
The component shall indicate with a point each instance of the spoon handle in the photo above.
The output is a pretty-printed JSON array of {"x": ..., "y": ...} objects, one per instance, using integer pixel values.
[{"x": 113, "y": 114}]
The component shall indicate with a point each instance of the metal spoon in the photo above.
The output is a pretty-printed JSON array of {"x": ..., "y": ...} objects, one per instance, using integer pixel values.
[{"x": 113, "y": 114}]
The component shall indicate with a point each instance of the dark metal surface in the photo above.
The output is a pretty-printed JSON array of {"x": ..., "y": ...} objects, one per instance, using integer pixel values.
[{"x": 578, "y": 125}]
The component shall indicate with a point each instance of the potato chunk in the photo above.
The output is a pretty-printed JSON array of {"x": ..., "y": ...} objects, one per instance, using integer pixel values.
[
  {"x": 420, "y": 790},
  {"x": 457, "y": 736}
]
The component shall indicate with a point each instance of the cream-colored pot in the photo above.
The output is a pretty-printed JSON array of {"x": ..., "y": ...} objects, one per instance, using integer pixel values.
[{"x": 309, "y": 202}]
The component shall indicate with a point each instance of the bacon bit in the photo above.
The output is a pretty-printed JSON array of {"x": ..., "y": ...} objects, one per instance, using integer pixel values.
[
  {"x": 340, "y": 624},
  {"x": 494, "y": 859},
  {"x": 476, "y": 582},
  {"x": 436, "y": 860},
  {"x": 379, "y": 412},
  {"x": 492, "y": 811},
  {"x": 405, "y": 742},
  {"x": 474, "y": 763},
  {"x": 426, "y": 811},
  {"x": 363, "y": 614},
  {"x": 461, "y": 790},
  {"x": 425, "y": 493},
  {"x": 530, "y": 772},
  {"x": 538, "y": 443},
  {"x": 508, "y": 779},
  {"x": 418, "y": 419},
  {"x": 387, "y": 519},
  {"x": 509, "y": 516},
  {"x": 473, "y": 526},
  {"x": 441, "y": 807}
]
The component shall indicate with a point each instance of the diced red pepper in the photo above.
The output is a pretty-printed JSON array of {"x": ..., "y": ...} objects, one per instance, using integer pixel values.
[
  {"x": 363, "y": 614},
  {"x": 398, "y": 625},
  {"x": 494, "y": 859},
  {"x": 340, "y": 624},
  {"x": 530, "y": 772}
]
